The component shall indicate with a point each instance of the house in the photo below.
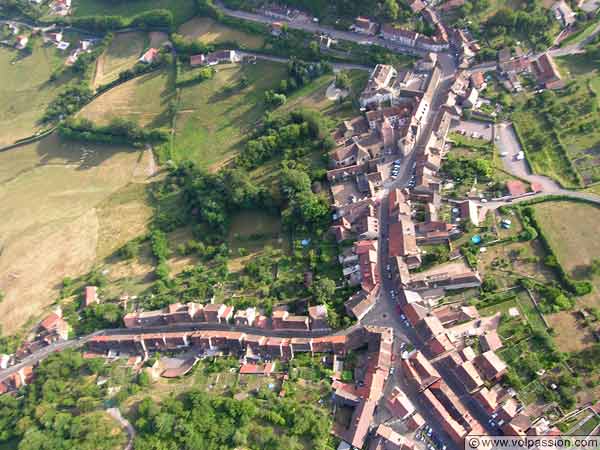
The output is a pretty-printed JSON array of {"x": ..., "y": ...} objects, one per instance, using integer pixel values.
[
  {"x": 197, "y": 60},
  {"x": 318, "y": 317},
  {"x": 490, "y": 365},
  {"x": 454, "y": 429},
  {"x": 564, "y": 14},
  {"x": 21, "y": 42},
  {"x": 451, "y": 4},
  {"x": 399, "y": 404},
  {"x": 387, "y": 439},
  {"x": 468, "y": 375},
  {"x": 149, "y": 56},
  {"x": 277, "y": 12},
  {"x": 363, "y": 25},
  {"x": 467, "y": 210},
  {"x": 90, "y": 296},
  {"x": 245, "y": 317},
  {"x": 547, "y": 73},
  {"x": 488, "y": 398},
  {"x": 222, "y": 57},
  {"x": 417, "y": 6},
  {"x": 55, "y": 36},
  {"x": 490, "y": 341},
  {"x": 277, "y": 29},
  {"x": 403, "y": 241},
  {"x": 471, "y": 100},
  {"x": 419, "y": 370},
  {"x": 361, "y": 303},
  {"x": 400, "y": 36},
  {"x": 54, "y": 327},
  {"x": 217, "y": 313},
  {"x": 379, "y": 88},
  {"x": 518, "y": 426},
  {"x": 415, "y": 422}
]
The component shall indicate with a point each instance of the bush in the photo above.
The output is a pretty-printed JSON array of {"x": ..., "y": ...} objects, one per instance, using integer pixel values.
[{"x": 118, "y": 131}]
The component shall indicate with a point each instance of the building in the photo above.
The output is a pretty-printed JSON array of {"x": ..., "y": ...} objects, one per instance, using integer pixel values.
[
  {"x": 218, "y": 313},
  {"x": 90, "y": 296},
  {"x": 490, "y": 365},
  {"x": 379, "y": 88},
  {"x": 245, "y": 317},
  {"x": 399, "y": 404},
  {"x": 361, "y": 303},
  {"x": 149, "y": 56},
  {"x": 468, "y": 375},
  {"x": 419, "y": 370},
  {"x": 564, "y": 14},
  {"x": 490, "y": 341},
  {"x": 21, "y": 42},
  {"x": 363, "y": 25},
  {"x": 547, "y": 73},
  {"x": 318, "y": 317},
  {"x": 54, "y": 328},
  {"x": 403, "y": 241},
  {"x": 401, "y": 36}
]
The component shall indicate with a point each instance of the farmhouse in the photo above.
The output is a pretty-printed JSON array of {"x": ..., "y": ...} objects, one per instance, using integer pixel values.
[
  {"x": 149, "y": 56},
  {"x": 547, "y": 73},
  {"x": 363, "y": 25}
]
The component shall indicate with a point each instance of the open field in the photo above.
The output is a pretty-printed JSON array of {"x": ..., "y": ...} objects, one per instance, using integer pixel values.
[
  {"x": 208, "y": 31},
  {"x": 572, "y": 229},
  {"x": 182, "y": 9},
  {"x": 143, "y": 99},
  {"x": 25, "y": 90},
  {"x": 122, "y": 53},
  {"x": 64, "y": 205},
  {"x": 215, "y": 116}
]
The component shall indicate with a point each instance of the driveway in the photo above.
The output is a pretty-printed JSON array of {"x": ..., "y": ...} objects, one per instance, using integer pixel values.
[{"x": 509, "y": 143}]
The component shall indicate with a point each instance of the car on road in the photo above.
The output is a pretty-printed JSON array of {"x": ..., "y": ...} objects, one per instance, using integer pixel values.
[
  {"x": 503, "y": 154},
  {"x": 520, "y": 156},
  {"x": 398, "y": 161},
  {"x": 402, "y": 316}
]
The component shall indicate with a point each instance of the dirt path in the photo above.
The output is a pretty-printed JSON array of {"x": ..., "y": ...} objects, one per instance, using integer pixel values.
[{"x": 115, "y": 413}]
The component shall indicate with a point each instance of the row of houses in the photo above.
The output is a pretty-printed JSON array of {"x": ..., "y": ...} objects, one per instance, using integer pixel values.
[
  {"x": 542, "y": 67},
  {"x": 363, "y": 399},
  {"x": 408, "y": 38},
  {"x": 219, "y": 313}
]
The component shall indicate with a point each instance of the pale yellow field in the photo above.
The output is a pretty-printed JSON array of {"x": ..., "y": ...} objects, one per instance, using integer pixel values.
[
  {"x": 142, "y": 99},
  {"x": 210, "y": 32},
  {"x": 122, "y": 53},
  {"x": 64, "y": 206}
]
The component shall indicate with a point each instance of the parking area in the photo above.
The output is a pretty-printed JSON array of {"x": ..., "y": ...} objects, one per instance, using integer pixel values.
[{"x": 473, "y": 129}]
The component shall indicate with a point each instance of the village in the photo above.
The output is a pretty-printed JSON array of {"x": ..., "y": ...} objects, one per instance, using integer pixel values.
[{"x": 420, "y": 367}]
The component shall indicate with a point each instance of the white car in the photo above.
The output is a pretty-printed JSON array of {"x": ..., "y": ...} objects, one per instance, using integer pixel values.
[
  {"x": 503, "y": 154},
  {"x": 520, "y": 156}
]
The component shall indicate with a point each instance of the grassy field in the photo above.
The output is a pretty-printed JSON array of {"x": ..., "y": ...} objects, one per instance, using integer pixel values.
[
  {"x": 253, "y": 231},
  {"x": 64, "y": 205},
  {"x": 143, "y": 99},
  {"x": 182, "y": 9},
  {"x": 208, "y": 31},
  {"x": 572, "y": 229},
  {"x": 216, "y": 116},
  {"x": 122, "y": 53},
  {"x": 25, "y": 90}
]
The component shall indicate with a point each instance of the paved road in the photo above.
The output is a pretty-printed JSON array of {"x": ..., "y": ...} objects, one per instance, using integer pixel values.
[
  {"x": 313, "y": 27},
  {"x": 577, "y": 47},
  {"x": 279, "y": 59}
]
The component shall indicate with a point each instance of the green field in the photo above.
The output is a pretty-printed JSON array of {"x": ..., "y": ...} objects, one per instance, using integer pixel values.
[
  {"x": 217, "y": 115},
  {"x": 64, "y": 205},
  {"x": 182, "y": 9},
  {"x": 208, "y": 31},
  {"x": 25, "y": 90},
  {"x": 122, "y": 53}
]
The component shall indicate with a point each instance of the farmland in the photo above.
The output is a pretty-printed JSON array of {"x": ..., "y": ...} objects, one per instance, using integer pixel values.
[
  {"x": 208, "y": 31},
  {"x": 26, "y": 90},
  {"x": 143, "y": 99},
  {"x": 85, "y": 207}
]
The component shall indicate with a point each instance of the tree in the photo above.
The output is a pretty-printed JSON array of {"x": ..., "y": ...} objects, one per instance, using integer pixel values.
[
  {"x": 342, "y": 80},
  {"x": 323, "y": 289},
  {"x": 390, "y": 9}
]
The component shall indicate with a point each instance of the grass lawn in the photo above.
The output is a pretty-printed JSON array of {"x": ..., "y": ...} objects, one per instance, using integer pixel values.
[
  {"x": 208, "y": 31},
  {"x": 572, "y": 229},
  {"x": 25, "y": 90},
  {"x": 182, "y": 9},
  {"x": 64, "y": 205},
  {"x": 216, "y": 116},
  {"x": 122, "y": 53},
  {"x": 143, "y": 99}
]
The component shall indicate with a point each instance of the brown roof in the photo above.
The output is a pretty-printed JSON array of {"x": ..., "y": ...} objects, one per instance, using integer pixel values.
[
  {"x": 490, "y": 341},
  {"x": 516, "y": 187},
  {"x": 469, "y": 376},
  {"x": 491, "y": 365},
  {"x": 487, "y": 398}
]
